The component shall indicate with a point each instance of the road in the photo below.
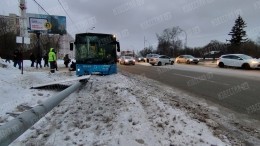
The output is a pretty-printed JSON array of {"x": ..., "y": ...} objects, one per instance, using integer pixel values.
[{"x": 235, "y": 89}]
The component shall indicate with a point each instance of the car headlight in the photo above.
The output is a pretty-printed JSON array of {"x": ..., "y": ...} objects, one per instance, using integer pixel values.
[
  {"x": 126, "y": 60},
  {"x": 254, "y": 62}
]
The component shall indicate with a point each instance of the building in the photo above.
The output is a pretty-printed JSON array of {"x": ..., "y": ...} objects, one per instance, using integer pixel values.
[
  {"x": 10, "y": 23},
  {"x": 64, "y": 43}
]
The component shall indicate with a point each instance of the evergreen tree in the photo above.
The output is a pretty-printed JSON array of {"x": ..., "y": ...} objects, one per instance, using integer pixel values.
[{"x": 238, "y": 35}]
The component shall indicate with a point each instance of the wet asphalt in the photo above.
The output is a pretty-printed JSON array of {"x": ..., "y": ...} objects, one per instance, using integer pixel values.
[{"x": 240, "y": 94}]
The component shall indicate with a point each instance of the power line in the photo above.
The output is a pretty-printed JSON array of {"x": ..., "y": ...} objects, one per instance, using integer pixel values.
[
  {"x": 65, "y": 11},
  {"x": 41, "y": 7},
  {"x": 67, "y": 14}
]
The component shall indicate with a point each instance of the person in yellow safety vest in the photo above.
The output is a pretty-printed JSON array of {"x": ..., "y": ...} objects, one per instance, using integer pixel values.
[
  {"x": 101, "y": 52},
  {"x": 52, "y": 60}
]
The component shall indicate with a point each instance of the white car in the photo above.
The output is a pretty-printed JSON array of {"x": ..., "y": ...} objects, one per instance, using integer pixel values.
[
  {"x": 127, "y": 60},
  {"x": 187, "y": 59},
  {"x": 238, "y": 60},
  {"x": 161, "y": 60},
  {"x": 149, "y": 56}
]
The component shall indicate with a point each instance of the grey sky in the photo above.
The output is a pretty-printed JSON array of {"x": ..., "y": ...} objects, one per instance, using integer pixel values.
[{"x": 131, "y": 20}]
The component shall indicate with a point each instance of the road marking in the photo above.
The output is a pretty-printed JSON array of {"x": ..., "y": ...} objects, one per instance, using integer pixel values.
[{"x": 196, "y": 78}]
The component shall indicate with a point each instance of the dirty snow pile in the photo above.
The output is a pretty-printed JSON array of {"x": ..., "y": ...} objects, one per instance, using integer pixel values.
[{"x": 113, "y": 110}]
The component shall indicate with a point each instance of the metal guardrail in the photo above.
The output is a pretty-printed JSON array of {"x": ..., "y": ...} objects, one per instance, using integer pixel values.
[{"x": 16, "y": 127}]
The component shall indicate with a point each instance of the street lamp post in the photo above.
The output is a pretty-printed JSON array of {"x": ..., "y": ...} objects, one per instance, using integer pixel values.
[
  {"x": 145, "y": 40},
  {"x": 185, "y": 45}
]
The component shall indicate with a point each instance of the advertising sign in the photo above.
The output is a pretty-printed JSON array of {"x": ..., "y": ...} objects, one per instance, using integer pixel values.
[
  {"x": 37, "y": 24},
  {"x": 46, "y": 23}
]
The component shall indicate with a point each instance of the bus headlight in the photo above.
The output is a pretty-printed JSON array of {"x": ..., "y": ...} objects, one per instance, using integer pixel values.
[{"x": 78, "y": 70}]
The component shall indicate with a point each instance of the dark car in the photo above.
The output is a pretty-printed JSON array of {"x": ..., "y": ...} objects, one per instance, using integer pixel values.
[{"x": 140, "y": 59}]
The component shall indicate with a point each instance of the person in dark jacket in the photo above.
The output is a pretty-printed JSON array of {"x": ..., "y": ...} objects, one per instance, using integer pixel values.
[
  {"x": 32, "y": 58},
  {"x": 56, "y": 65},
  {"x": 18, "y": 57},
  {"x": 39, "y": 60},
  {"x": 72, "y": 66},
  {"x": 45, "y": 58},
  {"x": 66, "y": 60},
  {"x": 7, "y": 59}
]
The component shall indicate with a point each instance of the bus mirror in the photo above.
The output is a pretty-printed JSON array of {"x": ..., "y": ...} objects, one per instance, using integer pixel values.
[
  {"x": 118, "y": 46},
  {"x": 71, "y": 46}
]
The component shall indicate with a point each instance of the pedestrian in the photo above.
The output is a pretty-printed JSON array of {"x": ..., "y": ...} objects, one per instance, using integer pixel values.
[
  {"x": 45, "y": 58},
  {"x": 52, "y": 60},
  {"x": 17, "y": 58},
  {"x": 56, "y": 64},
  {"x": 66, "y": 60},
  {"x": 8, "y": 58},
  {"x": 32, "y": 58},
  {"x": 39, "y": 60},
  {"x": 72, "y": 66}
]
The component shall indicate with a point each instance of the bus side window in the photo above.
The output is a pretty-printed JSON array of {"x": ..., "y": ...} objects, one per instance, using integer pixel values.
[{"x": 71, "y": 46}]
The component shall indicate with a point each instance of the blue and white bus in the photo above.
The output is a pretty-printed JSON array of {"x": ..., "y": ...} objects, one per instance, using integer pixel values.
[{"x": 95, "y": 53}]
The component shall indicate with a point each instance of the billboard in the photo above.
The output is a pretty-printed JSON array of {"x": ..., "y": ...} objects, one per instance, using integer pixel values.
[{"x": 46, "y": 23}]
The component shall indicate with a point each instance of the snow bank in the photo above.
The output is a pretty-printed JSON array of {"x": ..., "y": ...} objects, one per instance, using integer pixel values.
[{"x": 109, "y": 110}]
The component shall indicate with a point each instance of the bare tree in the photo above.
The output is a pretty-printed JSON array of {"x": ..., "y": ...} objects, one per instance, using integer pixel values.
[
  {"x": 258, "y": 40},
  {"x": 169, "y": 42},
  {"x": 146, "y": 50},
  {"x": 47, "y": 41},
  {"x": 7, "y": 37}
]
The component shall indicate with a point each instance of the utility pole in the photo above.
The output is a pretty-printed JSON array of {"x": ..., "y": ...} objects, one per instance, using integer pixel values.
[
  {"x": 23, "y": 27},
  {"x": 144, "y": 42}
]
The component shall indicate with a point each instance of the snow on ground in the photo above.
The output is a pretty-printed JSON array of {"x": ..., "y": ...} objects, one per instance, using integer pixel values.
[{"x": 109, "y": 110}]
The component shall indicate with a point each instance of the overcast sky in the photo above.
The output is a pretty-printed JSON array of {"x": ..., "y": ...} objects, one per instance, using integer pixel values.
[{"x": 134, "y": 20}]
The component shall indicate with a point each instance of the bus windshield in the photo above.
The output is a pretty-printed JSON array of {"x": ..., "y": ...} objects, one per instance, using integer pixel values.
[{"x": 95, "y": 49}]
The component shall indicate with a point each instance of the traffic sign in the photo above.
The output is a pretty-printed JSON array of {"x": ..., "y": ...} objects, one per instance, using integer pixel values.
[{"x": 48, "y": 25}]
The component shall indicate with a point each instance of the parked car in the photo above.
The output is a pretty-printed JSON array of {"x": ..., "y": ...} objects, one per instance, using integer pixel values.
[
  {"x": 161, "y": 60},
  {"x": 187, "y": 59},
  {"x": 140, "y": 59},
  {"x": 149, "y": 56},
  {"x": 238, "y": 60},
  {"x": 118, "y": 59},
  {"x": 127, "y": 60}
]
